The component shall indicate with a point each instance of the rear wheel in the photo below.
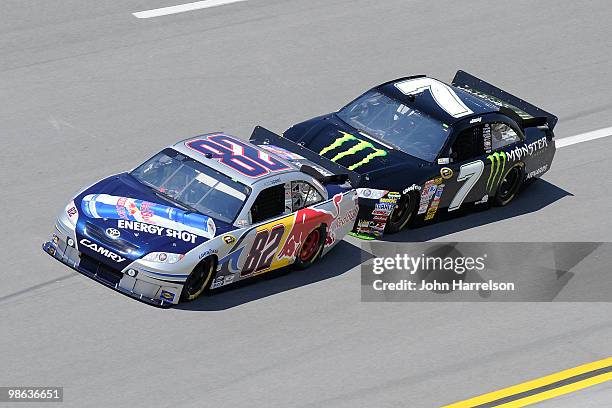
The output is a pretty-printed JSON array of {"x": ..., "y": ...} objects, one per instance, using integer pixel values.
[
  {"x": 199, "y": 280},
  {"x": 509, "y": 186},
  {"x": 311, "y": 248},
  {"x": 401, "y": 215}
]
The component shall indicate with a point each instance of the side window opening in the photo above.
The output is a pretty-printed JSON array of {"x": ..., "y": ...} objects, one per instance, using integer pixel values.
[
  {"x": 469, "y": 144},
  {"x": 502, "y": 135},
  {"x": 303, "y": 195},
  {"x": 269, "y": 203}
]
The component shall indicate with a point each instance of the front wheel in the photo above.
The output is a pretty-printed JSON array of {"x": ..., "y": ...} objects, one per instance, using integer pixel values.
[
  {"x": 199, "y": 280},
  {"x": 509, "y": 186},
  {"x": 401, "y": 215},
  {"x": 311, "y": 248}
]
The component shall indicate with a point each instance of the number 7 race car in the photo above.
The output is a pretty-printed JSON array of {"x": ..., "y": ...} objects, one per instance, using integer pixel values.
[
  {"x": 417, "y": 147},
  {"x": 203, "y": 213}
]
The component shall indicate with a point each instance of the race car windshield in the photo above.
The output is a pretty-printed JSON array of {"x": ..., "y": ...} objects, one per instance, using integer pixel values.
[
  {"x": 396, "y": 124},
  {"x": 192, "y": 185}
]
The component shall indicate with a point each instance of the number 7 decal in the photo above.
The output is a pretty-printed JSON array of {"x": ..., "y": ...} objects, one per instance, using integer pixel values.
[{"x": 470, "y": 173}]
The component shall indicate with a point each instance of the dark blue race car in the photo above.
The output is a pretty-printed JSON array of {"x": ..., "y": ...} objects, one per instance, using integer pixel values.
[{"x": 419, "y": 147}]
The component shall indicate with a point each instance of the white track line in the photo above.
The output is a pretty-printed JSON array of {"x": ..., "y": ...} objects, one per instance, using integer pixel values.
[
  {"x": 164, "y": 11},
  {"x": 584, "y": 137}
]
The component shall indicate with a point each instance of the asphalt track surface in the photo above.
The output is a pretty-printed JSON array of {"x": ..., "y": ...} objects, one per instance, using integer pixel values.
[{"x": 88, "y": 90}]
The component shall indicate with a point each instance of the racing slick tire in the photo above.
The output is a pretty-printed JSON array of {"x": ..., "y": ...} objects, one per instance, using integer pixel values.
[
  {"x": 199, "y": 280},
  {"x": 509, "y": 186},
  {"x": 401, "y": 215},
  {"x": 311, "y": 248}
]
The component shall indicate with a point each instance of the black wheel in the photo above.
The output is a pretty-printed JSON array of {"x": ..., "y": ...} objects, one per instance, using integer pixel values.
[
  {"x": 401, "y": 215},
  {"x": 509, "y": 186},
  {"x": 311, "y": 248},
  {"x": 199, "y": 280}
]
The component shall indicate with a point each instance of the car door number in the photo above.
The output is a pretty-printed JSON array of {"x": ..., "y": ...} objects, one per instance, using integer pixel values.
[
  {"x": 263, "y": 249},
  {"x": 470, "y": 173}
]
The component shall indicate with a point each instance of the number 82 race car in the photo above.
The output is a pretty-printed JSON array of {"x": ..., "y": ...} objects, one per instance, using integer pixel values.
[{"x": 204, "y": 213}]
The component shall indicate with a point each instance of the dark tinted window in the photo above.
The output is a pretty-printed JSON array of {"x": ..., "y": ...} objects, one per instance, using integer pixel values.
[
  {"x": 469, "y": 144},
  {"x": 392, "y": 122},
  {"x": 269, "y": 203}
]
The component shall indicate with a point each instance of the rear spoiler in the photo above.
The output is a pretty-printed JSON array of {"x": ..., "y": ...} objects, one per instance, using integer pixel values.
[
  {"x": 339, "y": 174},
  {"x": 529, "y": 114}
]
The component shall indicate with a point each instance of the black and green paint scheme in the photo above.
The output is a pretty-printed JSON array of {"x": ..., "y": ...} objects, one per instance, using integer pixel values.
[{"x": 380, "y": 166}]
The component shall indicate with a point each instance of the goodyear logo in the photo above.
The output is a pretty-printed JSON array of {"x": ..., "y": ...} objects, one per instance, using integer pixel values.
[
  {"x": 498, "y": 165},
  {"x": 361, "y": 145},
  {"x": 167, "y": 295}
]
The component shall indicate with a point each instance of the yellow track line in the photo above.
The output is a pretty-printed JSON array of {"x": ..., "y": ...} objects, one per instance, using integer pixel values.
[
  {"x": 540, "y": 382},
  {"x": 566, "y": 389}
]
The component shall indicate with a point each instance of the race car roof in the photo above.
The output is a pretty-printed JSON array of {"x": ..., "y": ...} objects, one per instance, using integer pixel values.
[
  {"x": 237, "y": 158},
  {"x": 437, "y": 99}
]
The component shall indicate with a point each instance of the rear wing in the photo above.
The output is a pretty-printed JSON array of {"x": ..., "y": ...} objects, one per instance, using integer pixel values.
[
  {"x": 337, "y": 173},
  {"x": 529, "y": 114}
]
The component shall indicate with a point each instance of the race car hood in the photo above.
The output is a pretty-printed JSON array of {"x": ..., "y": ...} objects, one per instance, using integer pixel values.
[
  {"x": 121, "y": 220},
  {"x": 334, "y": 139}
]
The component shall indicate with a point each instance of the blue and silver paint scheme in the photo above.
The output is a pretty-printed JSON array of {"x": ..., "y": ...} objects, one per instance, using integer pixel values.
[{"x": 109, "y": 231}]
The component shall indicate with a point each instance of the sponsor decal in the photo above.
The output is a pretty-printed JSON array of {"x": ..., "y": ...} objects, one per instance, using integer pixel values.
[
  {"x": 229, "y": 239},
  {"x": 446, "y": 173},
  {"x": 221, "y": 281},
  {"x": 431, "y": 212},
  {"x": 101, "y": 250},
  {"x": 498, "y": 165},
  {"x": 283, "y": 153},
  {"x": 342, "y": 221},
  {"x": 385, "y": 213},
  {"x": 497, "y": 101},
  {"x": 206, "y": 253},
  {"x": 486, "y": 137},
  {"x": 384, "y": 206},
  {"x": 364, "y": 227},
  {"x": 429, "y": 189},
  {"x": 131, "y": 209},
  {"x": 305, "y": 220},
  {"x": 412, "y": 188},
  {"x": 113, "y": 232},
  {"x": 272, "y": 181},
  {"x": 167, "y": 296},
  {"x": 357, "y": 145},
  {"x": 156, "y": 230},
  {"x": 476, "y": 120},
  {"x": 537, "y": 172},
  {"x": 527, "y": 150}
]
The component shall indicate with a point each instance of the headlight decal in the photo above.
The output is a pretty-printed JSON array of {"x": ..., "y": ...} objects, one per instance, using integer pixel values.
[{"x": 163, "y": 257}]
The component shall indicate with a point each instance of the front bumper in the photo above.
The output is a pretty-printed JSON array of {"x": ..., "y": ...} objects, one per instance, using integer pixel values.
[
  {"x": 147, "y": 290},
  {"x": 371, "y": 221}
]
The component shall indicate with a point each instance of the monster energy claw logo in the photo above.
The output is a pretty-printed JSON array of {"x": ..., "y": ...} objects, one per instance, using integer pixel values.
[
  {"x": 361, "y": 145},
  {"x": 498, "y": 165}
]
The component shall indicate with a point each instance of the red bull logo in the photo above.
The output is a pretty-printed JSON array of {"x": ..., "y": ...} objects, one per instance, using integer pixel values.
[{"x": 305, "y": 221}]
